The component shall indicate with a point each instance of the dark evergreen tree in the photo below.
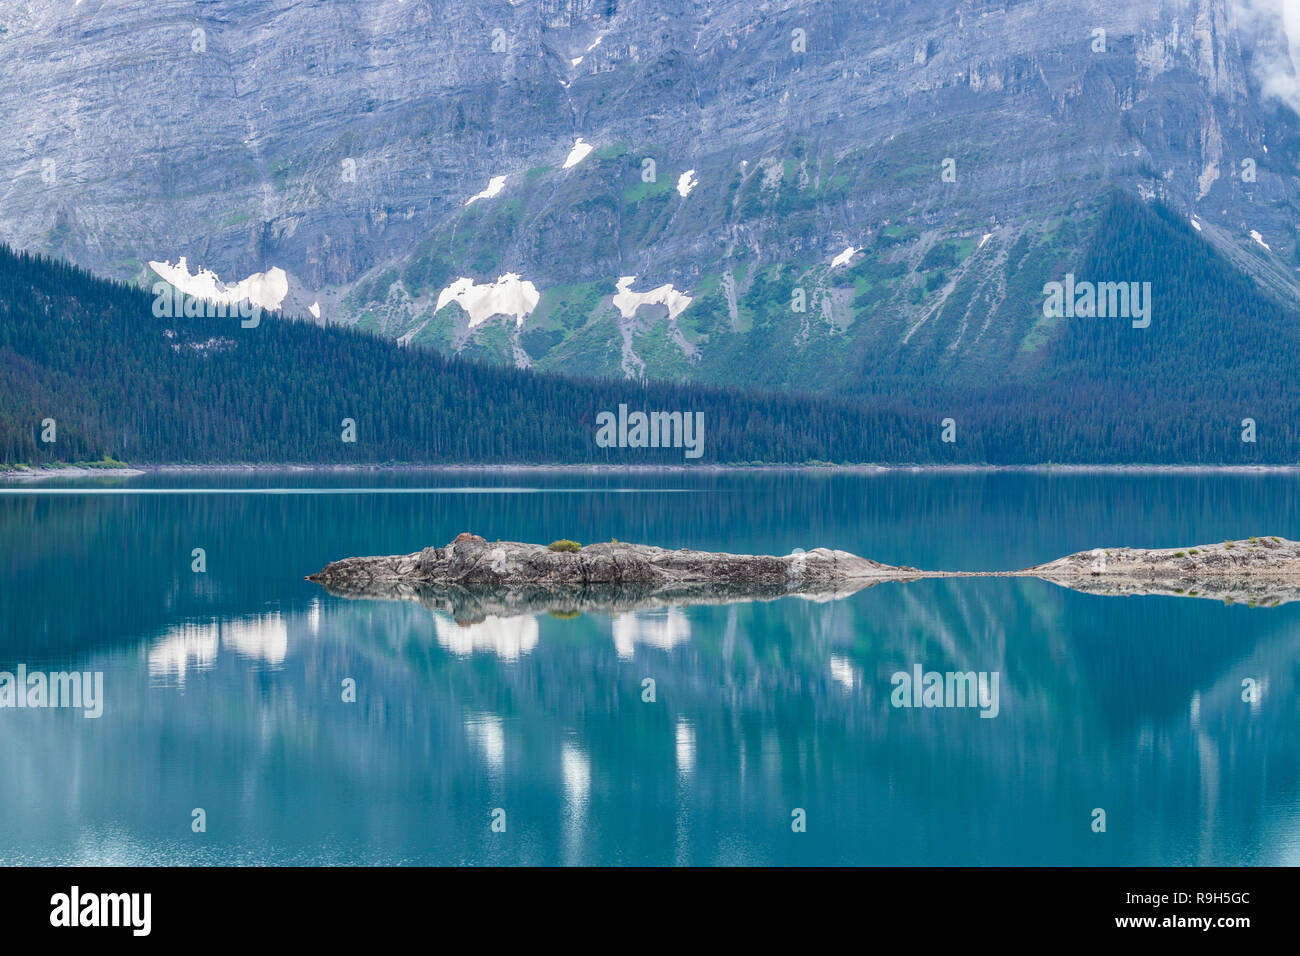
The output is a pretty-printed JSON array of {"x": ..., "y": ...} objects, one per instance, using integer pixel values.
[{"x": 122, "y": 383}]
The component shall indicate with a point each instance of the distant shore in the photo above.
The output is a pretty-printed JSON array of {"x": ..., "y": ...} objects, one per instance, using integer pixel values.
[
  {"x": 37, "y": 474},
  {"x": 70, "y": 471}
]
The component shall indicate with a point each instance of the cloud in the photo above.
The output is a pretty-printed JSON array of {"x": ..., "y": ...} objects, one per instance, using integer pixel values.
[{"x": 1270, "y": 29}]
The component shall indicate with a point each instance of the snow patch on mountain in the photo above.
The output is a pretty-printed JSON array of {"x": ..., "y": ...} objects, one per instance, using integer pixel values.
[
  {"x": 264, "y": 289},
  {"x": 579, "y": 152},
  {"x": 509, "y": 295},
  {"x": 844, "y": 258},
  {"x": 628, "y": 301},
  {"x": 494, "y": 186},
  {"x": 686, "y": 182}
]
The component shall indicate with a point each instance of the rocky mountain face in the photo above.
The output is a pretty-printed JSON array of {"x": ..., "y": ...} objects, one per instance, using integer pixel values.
[{"x": 816, "y": 195}]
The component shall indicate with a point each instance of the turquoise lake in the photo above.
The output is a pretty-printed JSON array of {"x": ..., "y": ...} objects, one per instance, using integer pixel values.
[{"x": 223, "y": 689}]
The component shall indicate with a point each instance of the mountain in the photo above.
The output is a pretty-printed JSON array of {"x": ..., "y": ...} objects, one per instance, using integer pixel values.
[
  {"x": 910, "y": 172},
  {"x": 87, "y": 364},
  {"x": 120, "y": 381}
]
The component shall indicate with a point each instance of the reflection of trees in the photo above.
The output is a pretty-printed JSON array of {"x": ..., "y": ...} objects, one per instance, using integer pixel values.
[
  {"x": 752, "y": 718},
  {"x": 757, "y": 691},
  {"x": 1096, "y": 705},
  {"x": 59, "y": 555}
]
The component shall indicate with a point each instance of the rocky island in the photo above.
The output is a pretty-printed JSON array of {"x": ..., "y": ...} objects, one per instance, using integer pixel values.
[
  {"x": 475, "y": 577},
  {"x": 507, "y": 576},
  {"x": 1259, "y": 571}
]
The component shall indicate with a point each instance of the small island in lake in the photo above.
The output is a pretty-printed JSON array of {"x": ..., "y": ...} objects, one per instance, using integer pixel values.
[
  {"x": 475, "y": 576},
  {"x": 1258, "y": 571}
]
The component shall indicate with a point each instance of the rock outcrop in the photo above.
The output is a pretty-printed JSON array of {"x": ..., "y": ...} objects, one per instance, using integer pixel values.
[
  {"x": 1260, "y": 571},
  {"x": 473, "y": 564},
  {"x": 474, "y": 578}
]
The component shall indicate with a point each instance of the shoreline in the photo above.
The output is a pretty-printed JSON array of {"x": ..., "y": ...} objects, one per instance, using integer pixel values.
[
  {"x": 71, "y": 471},
  {"x": 135, "y": 471}
]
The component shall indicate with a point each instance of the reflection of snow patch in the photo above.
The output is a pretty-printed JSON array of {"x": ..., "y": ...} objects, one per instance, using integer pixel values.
[
  {"x": 494, "y": 186},
  {"x": 507, "y": 296},
  {"x": 842, "y": 672},
  {"x": 844, "y": 258},
  {"x": 575, "y": 768},
  {"x": 261, "y": 638},
  {"x": 1260, "y": 239},
  {"x": 596, "y": 43},
  {"x": 628, "y": 301},
  {"x": 662, "y": 629},
  {"x": 182, "y": 646},
  {"x": 264, "y": 637},
  {"x": 577, "y": 154},
  {"x": 686, "y": 182},
  {"x": 265, "y": 289},
  {"x": 507, "y": 637},
  {"x": 488, "y": 732},
  {"x": 685, "y": 746}
]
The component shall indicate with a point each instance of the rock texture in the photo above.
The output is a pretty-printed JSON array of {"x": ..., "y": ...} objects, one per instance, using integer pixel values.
[
  {"x": 472, "y": 563},
  {"x": 473, "y": 578},
  {"x": 1257, "y": 571},
  {"x": 341, "y": 140}
]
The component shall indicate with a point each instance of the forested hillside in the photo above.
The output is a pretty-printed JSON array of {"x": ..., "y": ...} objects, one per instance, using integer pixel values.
[
  {"x": 120, "y": 382},
  {"x": 1217, "y": 352}
]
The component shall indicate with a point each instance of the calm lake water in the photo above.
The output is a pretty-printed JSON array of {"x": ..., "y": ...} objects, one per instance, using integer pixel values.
[{"x": 223, "y": 690}]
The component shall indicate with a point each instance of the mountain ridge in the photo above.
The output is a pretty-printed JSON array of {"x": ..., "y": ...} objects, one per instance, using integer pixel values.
[
  {"x": 341, "y": 142},
  {"x": 124, "y": 383}
]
